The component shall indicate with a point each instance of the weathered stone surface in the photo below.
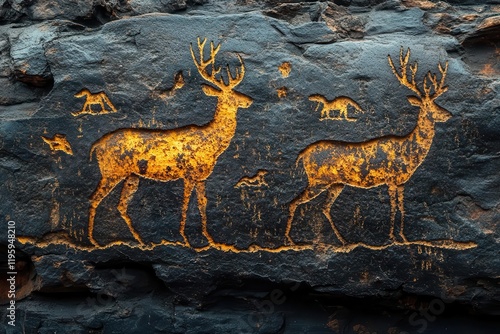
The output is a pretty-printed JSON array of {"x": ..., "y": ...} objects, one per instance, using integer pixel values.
[
  {"x": 100, "y": 11},
  {"x": 249, "y": 267}
]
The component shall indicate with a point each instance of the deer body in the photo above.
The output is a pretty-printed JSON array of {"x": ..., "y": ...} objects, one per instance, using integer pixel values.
[
  {"x": 188, "y": 153},
  {"x": 389, "y": 160},
  {"x": 165, "y": 155}
]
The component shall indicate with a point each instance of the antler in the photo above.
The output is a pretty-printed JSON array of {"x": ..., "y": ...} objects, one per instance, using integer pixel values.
[
  {"x": 403, "y": 78},
  {"x": 235, "y": 81},
  {"x": 203, "y": 64},
  {"x": 439, "y": 88}
]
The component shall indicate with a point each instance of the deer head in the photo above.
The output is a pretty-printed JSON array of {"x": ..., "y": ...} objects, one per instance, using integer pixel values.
[
  {"x": 225, "y": 92},
  {"x": 82, "y": 93},
  {"x": 424, "y": 99}
]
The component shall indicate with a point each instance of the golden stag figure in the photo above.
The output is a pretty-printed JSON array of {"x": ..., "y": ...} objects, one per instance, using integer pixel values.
[
  {"x": 389, "y": 160},
  {"x": 188, "y": 153}
]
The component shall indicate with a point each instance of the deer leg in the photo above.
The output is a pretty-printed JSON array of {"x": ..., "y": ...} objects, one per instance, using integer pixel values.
[
  {"x": 401, "y": 207},
  {"x": 188, "y": 189},
  {"x": 393, "y": 200},
  {"x": 202, "y": 207},
  {"x": 83, "y": 109},
  {"x": 103, "y": 189},
  {"x": 333, "y": 192},
  {"x": 86, "y": 108},
  {"x": 103, "y": 108},
  {"x": 129, "y": 188},
  {"x": 307, "y": 195},
  {"x": 113, "y": 109}
]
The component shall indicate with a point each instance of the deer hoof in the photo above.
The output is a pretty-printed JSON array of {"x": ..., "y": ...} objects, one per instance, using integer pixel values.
[
  {"x": 289, "y": 241},
  {"x": 186, "y": 242},
  {"x": 93, "y": 242},
  {"x": 403, "y": 237}
]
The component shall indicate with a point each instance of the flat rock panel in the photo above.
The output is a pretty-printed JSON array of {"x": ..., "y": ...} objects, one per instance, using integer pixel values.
[{"x": 241, "y": 160}]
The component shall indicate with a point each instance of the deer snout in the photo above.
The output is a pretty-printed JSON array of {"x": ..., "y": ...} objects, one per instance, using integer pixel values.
[
  {"x": 441, "y": 114},
  {"x": 244, "y": 101}
]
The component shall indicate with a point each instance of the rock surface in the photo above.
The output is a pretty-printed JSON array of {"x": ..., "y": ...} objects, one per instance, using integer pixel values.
[{"x": 247, "y": 266}]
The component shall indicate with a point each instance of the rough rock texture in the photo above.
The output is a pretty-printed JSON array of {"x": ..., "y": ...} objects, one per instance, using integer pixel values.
[{"x": 249, "y": 267}]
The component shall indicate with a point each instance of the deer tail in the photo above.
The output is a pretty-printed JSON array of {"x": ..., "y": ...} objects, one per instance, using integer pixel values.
[
  {"x": 355, "y": 105},
  {"x": 300, "y": 157},
  {"x": 92, "y": 149}
]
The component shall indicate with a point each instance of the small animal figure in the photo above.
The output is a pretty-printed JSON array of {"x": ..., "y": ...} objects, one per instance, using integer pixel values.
[
  {"x": 253, "y": 181},
  {"x": 340, "y": 103},
  {"x": 94, "y": 99},
  {"x": 178, "y": 84},
  {"x": 58, "y": 143}
]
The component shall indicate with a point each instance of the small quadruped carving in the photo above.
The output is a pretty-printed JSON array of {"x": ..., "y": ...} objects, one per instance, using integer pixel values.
[
  {"x": 340, "y": 104},
  {"x": 94, "y": 99},
  {"x": 256, "y": 181},
  {"x": 59, "y": 143}
]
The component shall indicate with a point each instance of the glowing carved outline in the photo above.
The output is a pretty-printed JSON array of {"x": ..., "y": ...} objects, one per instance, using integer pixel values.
[
  {"x": 61, "y": 238},
  {"x": 91, "y": 99},
  {"x": 340, "y": 103},
  {"x": 188, "y": 153},
  {"x": 331, "y": 165},
  {"x": 256, "y": 181},
  {"x": 59, "y": 143}
]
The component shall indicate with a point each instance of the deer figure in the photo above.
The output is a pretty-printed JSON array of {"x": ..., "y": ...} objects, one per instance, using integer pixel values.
[
  {"x": 389, "y": 160},
  {"x": 188, "y": 153}
]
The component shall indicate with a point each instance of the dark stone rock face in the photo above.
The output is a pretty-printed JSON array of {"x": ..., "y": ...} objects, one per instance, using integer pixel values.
[{"x": 250, "y": 166}]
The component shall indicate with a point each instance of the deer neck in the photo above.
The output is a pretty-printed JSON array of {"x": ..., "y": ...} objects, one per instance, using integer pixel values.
[
  {"x": 223, "y": 126},
  {"x": 420, "y": 140}
]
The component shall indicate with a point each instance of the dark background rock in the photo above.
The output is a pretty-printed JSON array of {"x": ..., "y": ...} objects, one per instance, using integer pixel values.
[{"x": 339, "y": 48}]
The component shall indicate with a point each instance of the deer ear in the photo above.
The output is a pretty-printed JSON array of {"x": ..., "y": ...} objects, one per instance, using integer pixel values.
[
  {"x": 209, "y": 90},
  {"x": 414, "y": 101}
]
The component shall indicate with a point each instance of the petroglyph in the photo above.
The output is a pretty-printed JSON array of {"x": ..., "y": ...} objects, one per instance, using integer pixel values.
[
  {"x": 59, "y": 143},
  {"x": 390, "y": 160},
  {"x": 100, "y": 99},
  {"x": 188, "y": 153},
  {"x": 340, "y": 103},
  {"x": 257, "y": 181}
]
